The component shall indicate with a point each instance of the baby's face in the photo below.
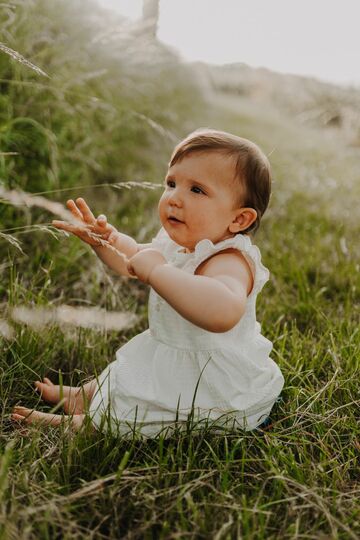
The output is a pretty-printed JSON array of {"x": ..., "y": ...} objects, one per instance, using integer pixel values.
[{"x": 200, "y": 198}]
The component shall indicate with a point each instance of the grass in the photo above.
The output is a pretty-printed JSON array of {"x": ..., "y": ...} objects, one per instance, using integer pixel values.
[{"x": 298, "y": 480}]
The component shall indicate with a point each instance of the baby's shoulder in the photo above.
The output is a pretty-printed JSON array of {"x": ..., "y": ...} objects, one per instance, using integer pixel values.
[{"x": 228, "y": 262}]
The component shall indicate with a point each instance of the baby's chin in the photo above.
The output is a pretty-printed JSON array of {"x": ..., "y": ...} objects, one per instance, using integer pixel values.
[{"x": 175, "y": 234}]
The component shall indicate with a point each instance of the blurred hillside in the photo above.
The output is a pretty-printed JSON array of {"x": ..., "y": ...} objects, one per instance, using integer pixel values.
[{"x": 305, "y": 100}]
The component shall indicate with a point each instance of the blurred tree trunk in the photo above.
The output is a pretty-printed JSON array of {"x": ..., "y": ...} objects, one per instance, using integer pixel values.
[{"x": 151, "y": 16}]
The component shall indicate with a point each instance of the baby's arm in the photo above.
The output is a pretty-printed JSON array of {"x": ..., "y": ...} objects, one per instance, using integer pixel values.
[
  {"x": 214, "y": 299},
  {"x": 124, "y": 244}
]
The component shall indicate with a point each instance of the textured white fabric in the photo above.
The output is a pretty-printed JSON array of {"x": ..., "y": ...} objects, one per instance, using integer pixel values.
[{"x": 176, "y": 368}]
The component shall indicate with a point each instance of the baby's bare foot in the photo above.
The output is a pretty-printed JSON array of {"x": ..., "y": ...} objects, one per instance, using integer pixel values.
[
  {"x": 31, "y": 416},
  {"x": 71, "y": 397}
]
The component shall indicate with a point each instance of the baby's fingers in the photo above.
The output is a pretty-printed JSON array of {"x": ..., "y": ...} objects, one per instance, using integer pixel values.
[
  {"x": 113, "y": 236},
  {"x": 87, "y": 214},
  {"x": 64, "y": 226},
  {"x": 61, "y": 224},
  {"x": 84, "y": 233},
  {"x": 102, "y": 221},
  {"x": 74, "y": 209}
]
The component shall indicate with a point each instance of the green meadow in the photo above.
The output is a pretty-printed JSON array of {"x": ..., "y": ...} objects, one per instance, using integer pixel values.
[{"x": 102, "y": 125}]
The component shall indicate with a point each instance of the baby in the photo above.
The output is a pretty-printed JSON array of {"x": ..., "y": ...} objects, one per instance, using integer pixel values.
[{"x": 203, "y": 353}]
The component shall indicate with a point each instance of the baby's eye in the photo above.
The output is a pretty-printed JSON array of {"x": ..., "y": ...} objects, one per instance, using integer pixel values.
[
  {"x": 196, "y": 189},
  {"x": 170, "y": 183}
]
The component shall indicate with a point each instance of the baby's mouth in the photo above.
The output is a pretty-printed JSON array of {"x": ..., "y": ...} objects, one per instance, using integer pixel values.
[{"x": 174, "y": 219}]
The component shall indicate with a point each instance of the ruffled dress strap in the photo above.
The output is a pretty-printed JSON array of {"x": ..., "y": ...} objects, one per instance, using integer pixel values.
[{"x": 205, "y": 249}]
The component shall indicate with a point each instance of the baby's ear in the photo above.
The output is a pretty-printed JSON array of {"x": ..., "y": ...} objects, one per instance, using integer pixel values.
[{"x": 243, "y": 219}]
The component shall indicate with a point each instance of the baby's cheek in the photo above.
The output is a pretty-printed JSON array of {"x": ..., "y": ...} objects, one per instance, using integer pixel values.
[
  {"x": 162, "y": 209},
  {"x": 200, "y": 218}
]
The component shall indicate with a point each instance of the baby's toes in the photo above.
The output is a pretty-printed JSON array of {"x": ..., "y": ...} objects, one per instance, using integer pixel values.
[
  {"x": 47, "y": 390},
  {"x": 39, "y": 386},
  {"x": 17, "y": 417},
  {"x": 18, "y": 409},
  {"x": 44, "y": 389},
  {"x": 20, "y": 413}
]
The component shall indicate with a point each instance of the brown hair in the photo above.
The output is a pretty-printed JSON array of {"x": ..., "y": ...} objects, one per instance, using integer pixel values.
[{"x": 252, "y": 167}]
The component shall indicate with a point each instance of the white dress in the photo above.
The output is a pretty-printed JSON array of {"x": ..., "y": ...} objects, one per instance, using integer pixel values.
[{"x": 176, "y": 369}]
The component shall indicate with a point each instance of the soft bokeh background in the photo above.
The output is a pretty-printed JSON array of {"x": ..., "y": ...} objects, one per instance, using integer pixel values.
[{"x": 319, "y": 39}]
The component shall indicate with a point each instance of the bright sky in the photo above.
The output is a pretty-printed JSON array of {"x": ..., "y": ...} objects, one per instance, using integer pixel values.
[{"x": 319, "y": 38}]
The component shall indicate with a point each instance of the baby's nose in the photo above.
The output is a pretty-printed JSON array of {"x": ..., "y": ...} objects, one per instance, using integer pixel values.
[{"x": 175, "y": 198}]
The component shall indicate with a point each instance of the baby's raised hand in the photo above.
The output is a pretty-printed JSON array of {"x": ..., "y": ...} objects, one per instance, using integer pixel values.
[
  {"x": 144, "y": 262},
  {"x": 91, "y": 230}
]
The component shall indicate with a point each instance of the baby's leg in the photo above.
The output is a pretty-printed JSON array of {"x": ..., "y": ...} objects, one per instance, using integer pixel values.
[
  {"x": 75, "y": 398},
  {"x": 31, "y": 416}
]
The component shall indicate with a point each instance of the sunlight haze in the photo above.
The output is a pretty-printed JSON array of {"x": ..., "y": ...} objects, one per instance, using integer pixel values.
[{"x": 319, "y": 39}]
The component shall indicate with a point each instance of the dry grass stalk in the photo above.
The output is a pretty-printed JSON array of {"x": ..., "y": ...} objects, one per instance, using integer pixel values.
[
  {"x": 12, "y": 240},
  {"x": 117, "y": 185},
  {"x": 83, "y": 317},
  {"x": 43, "y": 227},
  {"x": 19, "y": 58},
  {"x": 132, "y": 184},
  {"x": 156, "y": 127},
  {"x": 21, "y": 198}
]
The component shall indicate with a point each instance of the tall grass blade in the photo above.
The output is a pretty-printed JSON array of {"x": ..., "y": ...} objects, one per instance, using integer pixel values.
[
  {"x": 5, "y": 463},
  {"x": 19, "y": 58}
]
